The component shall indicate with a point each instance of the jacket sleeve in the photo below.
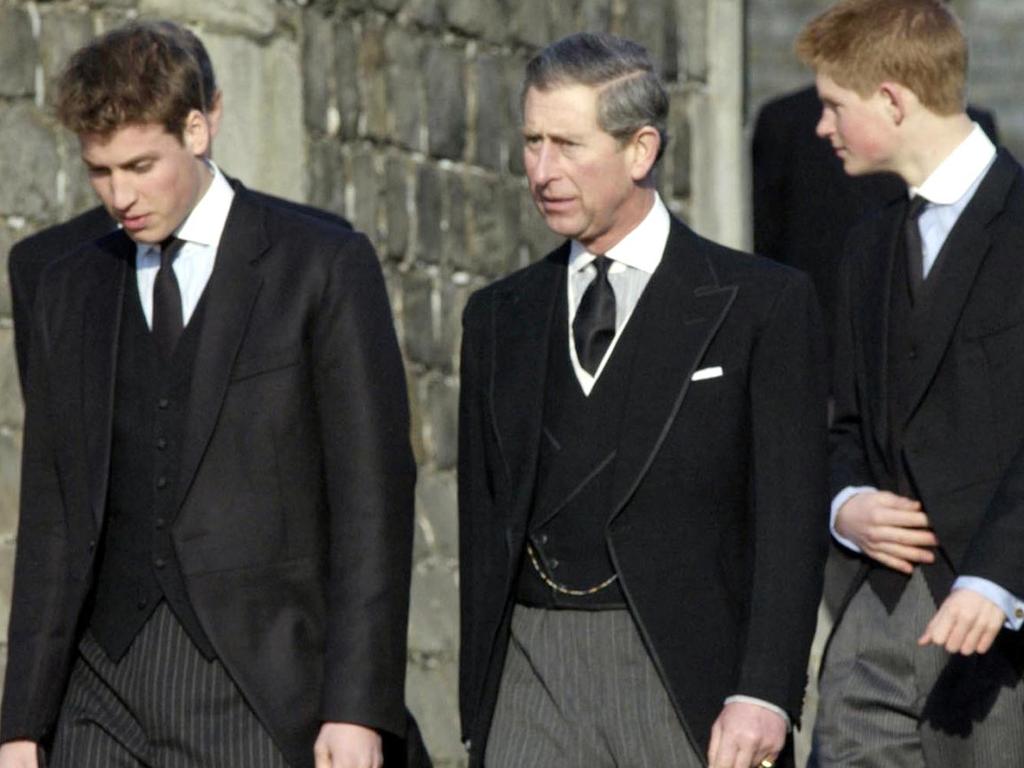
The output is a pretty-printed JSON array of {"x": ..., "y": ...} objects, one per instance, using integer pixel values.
[
  {"x": 789, "y": 500},
  {"x": 362, "y": 407}
]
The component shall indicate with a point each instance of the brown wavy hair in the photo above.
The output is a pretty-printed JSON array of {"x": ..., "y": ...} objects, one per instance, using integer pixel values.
[
  {"x": 917, "y": 43},
  {"x": 137, "y": 74}
]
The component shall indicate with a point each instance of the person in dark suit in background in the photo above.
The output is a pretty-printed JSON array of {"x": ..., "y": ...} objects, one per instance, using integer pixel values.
[
  {"x": 804, "y": 203},
  {"x": 214, "y": 542},
  {"x": 924, "y": 666},
  {"x": 641, "y": 460},
  {"x": 29, "y": 257}
]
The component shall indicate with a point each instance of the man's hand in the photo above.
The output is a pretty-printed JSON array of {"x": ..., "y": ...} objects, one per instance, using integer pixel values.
[
  {"x": 347, "y": 745},
  {"x": 966, "y": 623},
  {"x": 19, "y": 754},
  {"x": 745, "y": 734},
  {"x": 888, "y": 528}
]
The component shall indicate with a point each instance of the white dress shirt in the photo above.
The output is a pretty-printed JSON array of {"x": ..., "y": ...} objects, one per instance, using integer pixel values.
[
  {"x": 193, "y": 265},
  {"x": 633, "y": 260},
  {"x": 948, "y": 190}
]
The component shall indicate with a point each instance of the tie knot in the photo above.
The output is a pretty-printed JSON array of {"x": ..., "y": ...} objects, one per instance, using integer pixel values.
[
  {"x": 169, "y": 248},
  {"x": 916, "y": 207},
  {"x": 601, "y": 264}
]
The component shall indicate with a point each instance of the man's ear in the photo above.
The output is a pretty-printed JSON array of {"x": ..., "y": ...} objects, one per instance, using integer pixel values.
[
  {"x": 898, "y": 100},
  {"x": 196, "y": 136},
  {"x": 643, "y": 149}
]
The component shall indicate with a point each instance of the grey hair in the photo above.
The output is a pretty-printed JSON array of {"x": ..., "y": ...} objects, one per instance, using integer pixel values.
[{"x": 630, "y": 93}]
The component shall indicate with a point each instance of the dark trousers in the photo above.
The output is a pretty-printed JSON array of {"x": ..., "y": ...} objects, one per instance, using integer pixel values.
[{"x": 161, "y": 706}]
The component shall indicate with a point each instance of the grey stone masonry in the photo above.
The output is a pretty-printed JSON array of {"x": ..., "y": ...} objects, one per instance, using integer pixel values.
[{"x": 402, "y": 116}]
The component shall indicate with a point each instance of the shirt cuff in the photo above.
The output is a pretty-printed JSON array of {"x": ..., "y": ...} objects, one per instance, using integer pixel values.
[
  {"x": 1011, "y": 605},
  {"x": 739, "y": 698},
  {"x": 841, "y": 498}
]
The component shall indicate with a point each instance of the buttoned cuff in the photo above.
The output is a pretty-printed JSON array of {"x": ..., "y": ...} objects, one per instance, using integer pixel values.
[
  {"x": 1010, "y": 604},
  {"x": 841, "y": 498},
  {"x": 739, "y": 698}
]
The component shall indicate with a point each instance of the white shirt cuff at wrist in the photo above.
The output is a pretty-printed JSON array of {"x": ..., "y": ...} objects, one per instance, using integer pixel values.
[{"x": 740, "y": 698}]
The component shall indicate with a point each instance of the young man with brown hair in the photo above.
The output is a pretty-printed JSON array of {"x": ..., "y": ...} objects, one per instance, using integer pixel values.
[
  {"x": 215, "y": 533},
  {"x": 924, "y": 666}
]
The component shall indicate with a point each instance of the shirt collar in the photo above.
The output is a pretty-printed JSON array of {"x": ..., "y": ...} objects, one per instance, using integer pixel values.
[
  {"x": 957, "y": 174},
  {"x": 642, "y": 248},
  {"x": 205, "y": 223}
]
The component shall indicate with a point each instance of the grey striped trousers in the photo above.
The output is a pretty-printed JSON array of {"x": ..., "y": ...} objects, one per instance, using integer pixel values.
[
  {"x": 887, "y": 703},
  {"x": 162, "y": 706},
  {"x": 579, "y": 690}
]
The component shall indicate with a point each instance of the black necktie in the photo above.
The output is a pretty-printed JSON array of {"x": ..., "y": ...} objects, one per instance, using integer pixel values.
[
  {"x": 167, "y": 316},
  {"x": 594, "y": 325},
  {"x": 912, "y": 242}
]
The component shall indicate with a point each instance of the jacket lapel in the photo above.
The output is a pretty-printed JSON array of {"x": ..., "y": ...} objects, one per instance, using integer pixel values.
[
  {"x": 101, "y": 319},
  {"x": 521, "y": 333},
  {"x": 686, "y": 308},
  {"x": 230, "y": 296},
  {"x": 875, "y": 303},
  {"x": 966, "y": 247}
]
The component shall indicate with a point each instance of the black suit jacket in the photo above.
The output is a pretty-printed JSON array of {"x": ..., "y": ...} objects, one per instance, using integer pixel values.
[
  {"x": 966, "y": 424},
  {"x": 804, "y": 202},
  {"x": 29, "y": 257},
  {"x": 294, "y": 503},
  {"x": 718, "y": 488}
]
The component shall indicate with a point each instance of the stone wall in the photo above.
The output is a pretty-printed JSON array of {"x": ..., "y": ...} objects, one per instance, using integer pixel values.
[{"x": 402, "y": 116}]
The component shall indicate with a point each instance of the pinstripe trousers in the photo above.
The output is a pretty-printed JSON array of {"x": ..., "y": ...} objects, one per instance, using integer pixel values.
[
  {"x": 885, "y": 702},
  {"x": 579, "y": 690},
  {"x": 161, "y": 706}
]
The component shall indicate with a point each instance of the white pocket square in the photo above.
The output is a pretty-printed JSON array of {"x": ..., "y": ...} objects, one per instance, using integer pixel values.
[{"x": 707, "y": 373}]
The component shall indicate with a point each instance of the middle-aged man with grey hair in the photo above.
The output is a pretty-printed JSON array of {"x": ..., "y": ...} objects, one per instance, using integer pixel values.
[{"x": 642, "y": 460}]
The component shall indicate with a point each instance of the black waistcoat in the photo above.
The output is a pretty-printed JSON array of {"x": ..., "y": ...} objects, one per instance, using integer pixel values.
[
  {"x": 572, "y": 502},
  {"x": 907, "y": 331},
  {"x": 138, "y": 567}
]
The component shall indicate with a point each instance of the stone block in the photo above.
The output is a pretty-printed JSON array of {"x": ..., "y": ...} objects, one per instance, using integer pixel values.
[
  {"x": 327, "y": 176},
  {"x": 253, "y": 17},
  {"x": 396, "y": 195},
  {"x": 427, "y": 13},
  {"x": 7, "y": 239},
  {"x": 262, "y": 139},
  {"x": 492, "y": 116},
  {"x": 419, "y": 450},
  {"x": 528, "y": 23},
  {"x": 595, "y": 16},
  {"x": 19, "y": 52},
  {"x": 404, "y": 87},
  {"x": 429, "y": 214},
  {"x": 652, "y": 24},
  {"x": 434, "y": 610},
  {"x": 493, "y": 227},
  {"x": 78, "y": 194},
  {"x": 437, "y": 535},
  {"x": 478, "y": 18},
  {"x": 442, "y": 423},
  {"x": 346, "y": 76},
  {"x": 373, "y": 95},
  {"x": 317, "y": 71},
  {"x": 10, "y": 388},
  {"x": 692, "y": 47},
  {"x": 536, "y": 237},
  {"x": 30, "y": 163},
  {"x": 387, "y": 6},
  {"x": 10, "y": 481},
  {"x": 61, "y": 33},
  {"x": 514, "y": 71},
  {"x": 679, "y": 147},
  {"x": 455, "y": 217},
  {"x": 365, "y": 179},
  {"x": 563, "y": 19},
  {"x": 419, "y": 321},
  {"x": 446, "y": 101},
  {"x": 432, "y": 694}
]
